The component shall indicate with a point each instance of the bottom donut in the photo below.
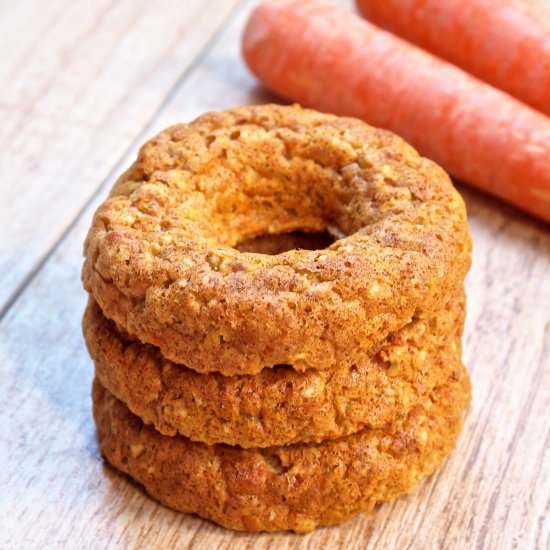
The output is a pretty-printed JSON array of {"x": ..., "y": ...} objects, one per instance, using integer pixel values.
[{"x": 296, "y": 487}]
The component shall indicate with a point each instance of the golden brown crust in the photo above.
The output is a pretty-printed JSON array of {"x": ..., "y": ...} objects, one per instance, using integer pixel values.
[
  {"x": 280, "y": 405},
  {"x": 295, "y": 487},
  {"x": 160, "y": 257}
]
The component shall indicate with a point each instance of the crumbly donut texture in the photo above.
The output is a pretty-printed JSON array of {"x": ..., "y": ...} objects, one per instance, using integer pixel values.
[
  {"x": 278, "y": 406},
  {"x": 295, "y": 487},
  {"x": 161, "y": 257}
]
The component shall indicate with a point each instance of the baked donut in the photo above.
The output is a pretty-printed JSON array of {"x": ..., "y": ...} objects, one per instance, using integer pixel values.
[
  {"x": 278, "y": 406},
  {"x": 295, "y": 487},
  {"x": 162, "y": 257}
]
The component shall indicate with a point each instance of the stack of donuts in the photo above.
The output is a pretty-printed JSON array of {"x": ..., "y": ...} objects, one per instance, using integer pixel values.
[{"x": 275, "y": 317}]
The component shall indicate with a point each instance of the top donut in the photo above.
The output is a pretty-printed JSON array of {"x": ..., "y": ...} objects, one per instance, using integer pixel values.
[{"x": 161, "y": 256}]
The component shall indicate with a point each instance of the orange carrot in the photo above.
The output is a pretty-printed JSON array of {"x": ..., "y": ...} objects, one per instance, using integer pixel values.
[
  {"x": 325, "y": 57},
  {"x": 504, "y": 42}
]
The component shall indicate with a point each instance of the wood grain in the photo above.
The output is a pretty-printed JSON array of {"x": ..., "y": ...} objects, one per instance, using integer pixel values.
[
  {"x": 76, "y": 90},
  {"x": 493, "y": 492}
]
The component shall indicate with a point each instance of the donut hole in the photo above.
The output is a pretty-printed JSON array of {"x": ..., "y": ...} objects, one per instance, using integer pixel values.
[
  {"x": 261, "y": 188},
  {"x": 295, "y": 240}
]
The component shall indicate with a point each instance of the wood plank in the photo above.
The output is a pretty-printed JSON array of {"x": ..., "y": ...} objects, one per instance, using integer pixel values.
[
  {"x": 80, "y": 82},
  {"x": 493, "y": 492}
]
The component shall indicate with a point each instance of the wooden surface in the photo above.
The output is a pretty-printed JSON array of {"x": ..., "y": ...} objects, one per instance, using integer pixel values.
[{"x": 84, "y": 83}]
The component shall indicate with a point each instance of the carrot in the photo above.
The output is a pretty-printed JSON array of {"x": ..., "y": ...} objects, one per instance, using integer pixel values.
[
  {"x": 504, "y": 42},
  {"x": 325, "y": 57}
]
